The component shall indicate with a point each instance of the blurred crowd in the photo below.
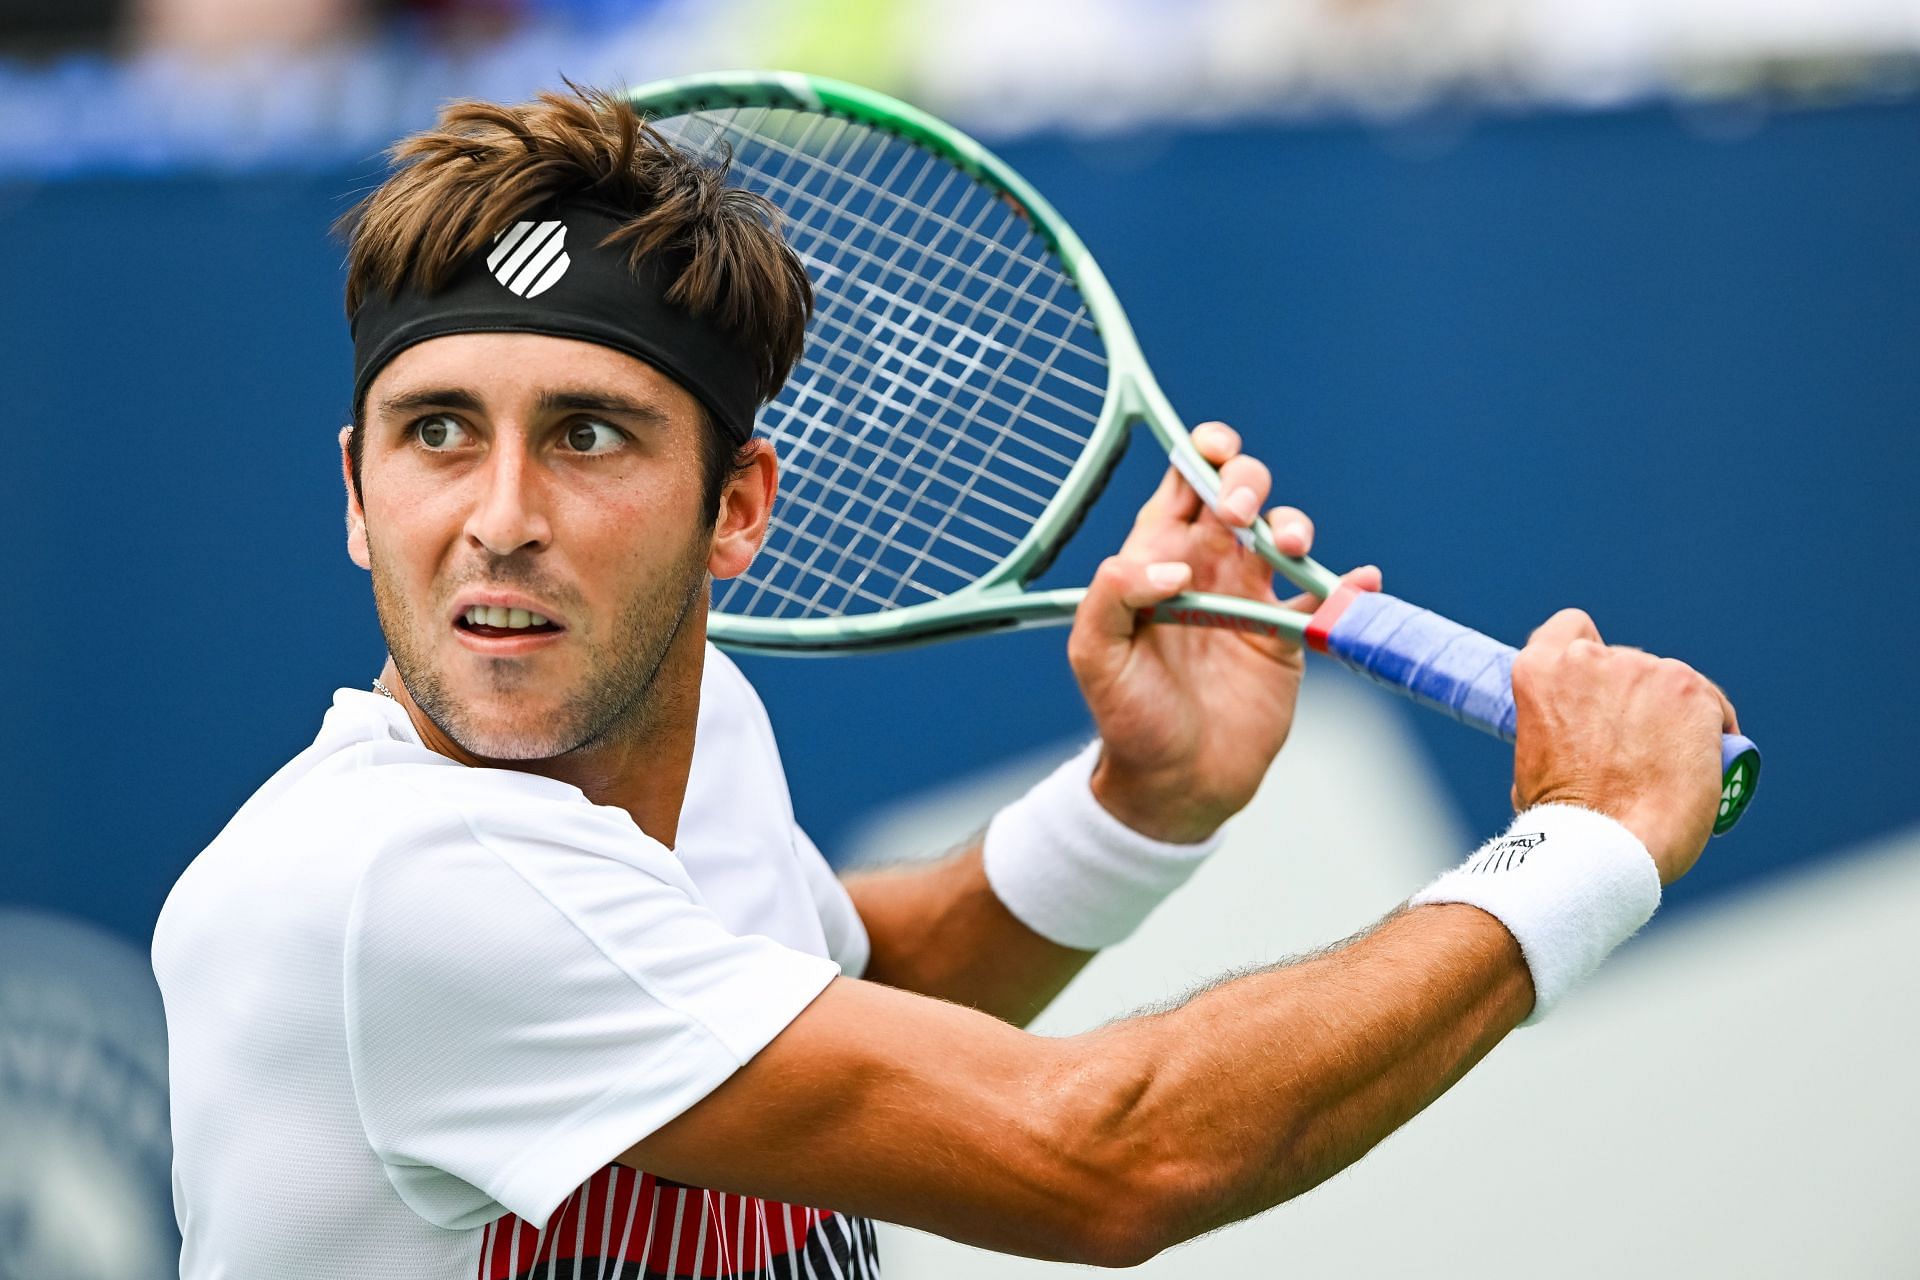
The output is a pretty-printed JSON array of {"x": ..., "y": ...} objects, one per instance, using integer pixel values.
[
  {"x": 221, "y": 28},
  {"x": 230, "y": 82}
]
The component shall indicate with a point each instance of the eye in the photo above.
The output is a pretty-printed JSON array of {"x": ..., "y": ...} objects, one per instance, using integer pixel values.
[
  {"x": 439, "y": 432},
  {"x": 590, "y": 436}
]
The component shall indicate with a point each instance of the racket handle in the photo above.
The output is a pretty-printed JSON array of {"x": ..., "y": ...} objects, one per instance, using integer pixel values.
[{"x": 1469, "y": 676}]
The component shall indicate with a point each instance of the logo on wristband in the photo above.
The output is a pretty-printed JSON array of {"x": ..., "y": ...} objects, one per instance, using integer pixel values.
[{"x": 1507, "y": 852}]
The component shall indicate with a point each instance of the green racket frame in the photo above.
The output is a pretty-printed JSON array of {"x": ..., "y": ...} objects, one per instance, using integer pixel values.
[
  {"x": 997, "y": 600},
  {"x": 1435, "y": 661}
]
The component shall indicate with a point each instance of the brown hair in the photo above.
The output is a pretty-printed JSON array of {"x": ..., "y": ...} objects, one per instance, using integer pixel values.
[{"x": 486, "y": 165}]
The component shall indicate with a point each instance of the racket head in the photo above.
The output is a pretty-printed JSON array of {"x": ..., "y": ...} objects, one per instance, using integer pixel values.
[{"x": 967, "y": 385}]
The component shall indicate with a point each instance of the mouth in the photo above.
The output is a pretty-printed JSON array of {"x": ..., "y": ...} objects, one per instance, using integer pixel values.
[
  {"x": 495, "y": 621},
  {"x": 504, "y": 629}
]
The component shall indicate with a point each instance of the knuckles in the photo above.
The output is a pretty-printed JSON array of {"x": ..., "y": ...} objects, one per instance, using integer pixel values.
[
  {"x": 1586, "y": 652},
  {"x": 1678, "y": 680}
]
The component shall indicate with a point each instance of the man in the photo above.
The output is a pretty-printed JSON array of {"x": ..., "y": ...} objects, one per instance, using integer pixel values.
[{"x": 523, "y": 967}]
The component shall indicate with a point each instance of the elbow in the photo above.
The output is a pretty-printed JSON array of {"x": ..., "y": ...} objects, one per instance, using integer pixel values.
[
  {"x": 1124, "y": 1240},
  {"x": 1127, "y": 1180},
  {"x": 1144, "y": 1211}
]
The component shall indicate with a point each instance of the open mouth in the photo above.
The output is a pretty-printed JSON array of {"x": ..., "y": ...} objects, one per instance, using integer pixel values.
[{"x": 497, "y": 622}]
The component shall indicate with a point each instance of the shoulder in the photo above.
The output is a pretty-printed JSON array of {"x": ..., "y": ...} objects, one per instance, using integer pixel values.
[
  {"x": 734, "y": 727},
  {"x": 729, "y": 702},
  {"x": 433, "y": 822},
  {"x": 474, "y": 877}
]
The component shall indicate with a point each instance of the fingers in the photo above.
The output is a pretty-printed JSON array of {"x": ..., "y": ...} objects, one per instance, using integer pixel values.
[
  {"x": 1120, "y": 590},
  {"x": 1729, "y": 718},
  {"x": 1174, "y": 501},
  {"x": 1562, "y": 629},
  {"x": 1219, "y": 444},
  {"x": 1244, "y": 484},
  {"x": 1366, "y": 578},
  {"x": 1292, "y": 530},
  {"x": 1216, "y": 442},
  {"x": 1245, "y": 481},
  {"x": 1685, "y": 682}
]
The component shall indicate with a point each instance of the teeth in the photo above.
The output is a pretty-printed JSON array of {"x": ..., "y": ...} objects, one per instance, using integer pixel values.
[{"x": 483, "y": 615}]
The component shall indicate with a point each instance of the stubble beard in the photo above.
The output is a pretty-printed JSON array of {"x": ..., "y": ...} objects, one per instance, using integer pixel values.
[{"x": 613, "y": 700}]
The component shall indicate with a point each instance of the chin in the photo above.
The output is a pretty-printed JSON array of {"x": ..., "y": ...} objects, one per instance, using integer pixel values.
[
  {"x": 502, "y": 726},
  {"x": 511, "y": 745},
  {"x": 517, "y": 733}
]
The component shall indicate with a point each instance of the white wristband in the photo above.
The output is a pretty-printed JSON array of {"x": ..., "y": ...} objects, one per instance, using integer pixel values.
[
  {"x": 1569, "y": 884},
  {"x": 1072, "y": 872}
]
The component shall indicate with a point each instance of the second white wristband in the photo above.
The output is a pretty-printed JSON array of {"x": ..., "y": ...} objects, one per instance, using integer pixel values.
[
  {"x": 1569, "y": 884},
  {"x": 1072, "y": 872}
]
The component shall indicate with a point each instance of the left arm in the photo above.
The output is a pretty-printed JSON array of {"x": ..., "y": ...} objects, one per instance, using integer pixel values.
[
  {"x": 1190, "y": 719},
  {"x": 940, "y": 930}
]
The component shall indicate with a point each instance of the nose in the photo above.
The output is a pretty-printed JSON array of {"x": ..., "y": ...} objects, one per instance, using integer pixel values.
[{"x": 510, "y": 513}]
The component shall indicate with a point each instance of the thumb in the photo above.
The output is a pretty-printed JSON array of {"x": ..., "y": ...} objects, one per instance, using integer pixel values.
[{"x": 1109, "y": 613}]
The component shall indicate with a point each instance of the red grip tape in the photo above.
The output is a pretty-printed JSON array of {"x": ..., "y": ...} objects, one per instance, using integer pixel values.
[{"x": 1321, "y": 625}]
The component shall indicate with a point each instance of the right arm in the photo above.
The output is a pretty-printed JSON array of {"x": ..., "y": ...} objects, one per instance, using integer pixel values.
[{"x": 1110, "y": 1146}]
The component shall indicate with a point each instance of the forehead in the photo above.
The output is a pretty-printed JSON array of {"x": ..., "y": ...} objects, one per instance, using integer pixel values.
[{"x": 508, "y": 372}]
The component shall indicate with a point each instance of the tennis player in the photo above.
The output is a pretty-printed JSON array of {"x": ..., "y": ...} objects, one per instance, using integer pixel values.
[{"x": 524, "y": 967}]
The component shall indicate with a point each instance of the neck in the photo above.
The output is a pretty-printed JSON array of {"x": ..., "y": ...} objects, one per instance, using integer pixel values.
[{"x": 641, "y": 767}]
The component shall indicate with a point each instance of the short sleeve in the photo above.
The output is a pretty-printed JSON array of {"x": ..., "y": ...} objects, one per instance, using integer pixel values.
[
  {"x": 524, "y": 1004},
  {"x": 846, "y": 933}
]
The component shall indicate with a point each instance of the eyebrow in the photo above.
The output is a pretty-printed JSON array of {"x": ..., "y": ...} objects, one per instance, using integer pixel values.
[
  {"x": 549, "y": 402},
  {"x": 432, "y": 398},
  {"x": 601, "y": 402}
]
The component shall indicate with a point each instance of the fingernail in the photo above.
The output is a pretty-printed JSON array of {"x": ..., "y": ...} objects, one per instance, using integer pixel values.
[
  {"x": 1294, "y": 529},
  {"x": 1167, "y": 574},
  {"x": 1241, "y": 504}
]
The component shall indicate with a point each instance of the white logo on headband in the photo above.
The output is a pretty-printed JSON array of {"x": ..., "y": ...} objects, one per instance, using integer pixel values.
[{"x": 530, "y": 257}]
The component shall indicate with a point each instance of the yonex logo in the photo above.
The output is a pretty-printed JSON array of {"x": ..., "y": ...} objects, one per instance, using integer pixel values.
[
  {"x": 1182, "y": 616},
  {"x": 530, "y": 257}
]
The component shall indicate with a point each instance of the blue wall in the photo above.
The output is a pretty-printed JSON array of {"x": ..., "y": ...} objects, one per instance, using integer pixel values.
[{"x": 1595, "y": 359}]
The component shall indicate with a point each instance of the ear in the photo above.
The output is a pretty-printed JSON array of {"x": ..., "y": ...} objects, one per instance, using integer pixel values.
[
  {"x": 746, "y": 504},
  {"x": 356, "y": 514}
]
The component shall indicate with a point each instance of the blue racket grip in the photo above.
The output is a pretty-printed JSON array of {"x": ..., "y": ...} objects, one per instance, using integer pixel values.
[{"x": 1456, "y": 670}]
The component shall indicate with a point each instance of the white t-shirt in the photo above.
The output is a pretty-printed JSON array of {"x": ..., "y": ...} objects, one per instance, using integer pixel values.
[{"x": 415, "y": 1009}]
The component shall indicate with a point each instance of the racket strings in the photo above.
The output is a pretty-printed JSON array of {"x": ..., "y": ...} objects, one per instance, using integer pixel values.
[
  {"x": 804, "y": 533},
  {"x": 784, "y": 190},
  {"x": 951, "y": 376},
  {"x": 919, "y": 204},
  {"x": 901, "y": 310}
]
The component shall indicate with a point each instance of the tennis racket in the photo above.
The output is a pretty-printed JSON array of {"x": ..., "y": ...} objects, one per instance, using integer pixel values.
[{"x": 968, "y": 385}]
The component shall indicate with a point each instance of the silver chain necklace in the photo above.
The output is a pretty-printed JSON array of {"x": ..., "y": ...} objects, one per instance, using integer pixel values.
[{"x": 383, "y": 690}]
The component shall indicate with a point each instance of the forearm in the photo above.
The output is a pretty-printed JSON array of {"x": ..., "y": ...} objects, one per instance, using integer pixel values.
[
  {"x": 1110, "y": 1146},
  {"x": 939, "y": 929},
  {"x": 1262, "y": 1087}
]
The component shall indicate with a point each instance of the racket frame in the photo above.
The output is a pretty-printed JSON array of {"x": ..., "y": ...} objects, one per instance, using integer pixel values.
[{"x": 998, "y": 599}]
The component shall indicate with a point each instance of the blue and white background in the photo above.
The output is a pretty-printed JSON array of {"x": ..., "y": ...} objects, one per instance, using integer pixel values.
[{"x": 1545, "y": 318}]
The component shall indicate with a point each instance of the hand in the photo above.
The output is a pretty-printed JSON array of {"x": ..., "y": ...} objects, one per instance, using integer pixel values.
[
  {"x": 1620, "y": 732},
  {"x": 1190, "y": 717}
]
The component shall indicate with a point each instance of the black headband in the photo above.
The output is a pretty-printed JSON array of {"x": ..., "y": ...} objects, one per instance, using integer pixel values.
[{"x": 551, "y": 274}]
